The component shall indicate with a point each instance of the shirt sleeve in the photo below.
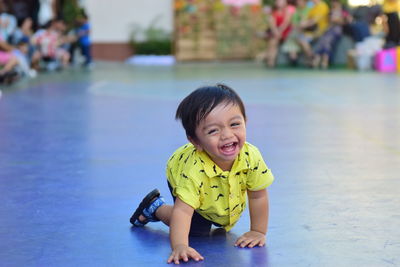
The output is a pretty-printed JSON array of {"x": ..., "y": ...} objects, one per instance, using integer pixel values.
[
  {"x": 187, "y": 191},
  {"x": 182, "y": 183},
  {"x": 259, "y": 176}
]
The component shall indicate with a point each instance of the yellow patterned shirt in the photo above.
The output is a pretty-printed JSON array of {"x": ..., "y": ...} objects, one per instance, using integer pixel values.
[{"x": 217, "y": 195}]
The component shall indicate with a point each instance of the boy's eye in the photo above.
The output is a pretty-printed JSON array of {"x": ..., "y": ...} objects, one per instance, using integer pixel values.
[
  {"x": 212, "y": 131},
  {"x": 235, "y": 124}
]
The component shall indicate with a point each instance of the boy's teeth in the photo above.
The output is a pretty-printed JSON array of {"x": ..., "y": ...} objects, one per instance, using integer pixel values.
[{"x": 230, "y": 144}]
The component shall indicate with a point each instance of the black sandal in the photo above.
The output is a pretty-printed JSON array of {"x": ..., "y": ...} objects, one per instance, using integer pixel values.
[{"x": 147, "y": 200}]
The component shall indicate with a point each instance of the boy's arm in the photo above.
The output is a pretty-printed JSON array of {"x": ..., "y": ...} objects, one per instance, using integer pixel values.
[
  {"x": 179, "y": 233},
  {"x": 259, "y": 209}
]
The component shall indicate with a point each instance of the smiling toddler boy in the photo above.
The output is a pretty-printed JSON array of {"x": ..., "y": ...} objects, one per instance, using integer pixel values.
[{"x": 210, "y": 177}]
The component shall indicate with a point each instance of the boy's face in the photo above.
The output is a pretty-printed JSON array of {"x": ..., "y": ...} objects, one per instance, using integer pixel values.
[{"x": 222, "y": 134}]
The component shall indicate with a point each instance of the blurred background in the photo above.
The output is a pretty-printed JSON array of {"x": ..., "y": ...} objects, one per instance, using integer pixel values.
[
  {"x": 38, "y": 35},
  {"x": 87, "y": 125}
]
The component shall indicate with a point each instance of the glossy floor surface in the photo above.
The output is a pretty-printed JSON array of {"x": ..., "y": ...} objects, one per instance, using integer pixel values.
[{"x": 78, "y": 150}]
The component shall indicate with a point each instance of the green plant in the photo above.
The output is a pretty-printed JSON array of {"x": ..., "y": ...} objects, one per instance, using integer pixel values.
[
  {"x": 71, "y": 11},
  {"x": 151, "y": 40}
]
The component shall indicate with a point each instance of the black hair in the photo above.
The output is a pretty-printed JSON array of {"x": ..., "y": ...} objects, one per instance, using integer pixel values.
[{"x": 198, "y": 104}]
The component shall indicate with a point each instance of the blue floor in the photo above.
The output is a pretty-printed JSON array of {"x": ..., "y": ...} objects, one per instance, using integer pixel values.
[{"x": 78, "y": 150}]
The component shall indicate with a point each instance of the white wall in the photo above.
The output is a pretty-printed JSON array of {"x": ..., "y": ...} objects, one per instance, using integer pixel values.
[{"x": 112, "y": 20}]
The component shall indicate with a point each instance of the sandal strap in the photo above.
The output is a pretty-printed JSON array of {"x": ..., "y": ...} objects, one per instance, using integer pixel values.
[{"x": 150, "y": 212}]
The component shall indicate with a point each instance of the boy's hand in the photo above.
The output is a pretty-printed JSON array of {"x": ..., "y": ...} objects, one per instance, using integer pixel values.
[
  {"x": 251, "y": 239},
  {"x": 185, "y": 253}
]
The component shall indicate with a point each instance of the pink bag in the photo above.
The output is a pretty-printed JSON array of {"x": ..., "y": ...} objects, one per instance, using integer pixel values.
[{"x": 386, "y": 60}]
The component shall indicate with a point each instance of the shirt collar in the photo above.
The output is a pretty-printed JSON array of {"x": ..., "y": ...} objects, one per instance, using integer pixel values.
[{"x": 211, "y": 169}]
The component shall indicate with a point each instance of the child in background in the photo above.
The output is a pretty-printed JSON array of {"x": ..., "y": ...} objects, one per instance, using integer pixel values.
[
  {"x": 210, "y": 176},
  {"x": 325, "y": 44},
  {"x": 313, "y": 27},
  {"x": 8, "y": 62},
  {"x": 291, "y": 46},
  {"x": 23, "y": 48},
  {"x": 49, "y": 44},
  {"x": 279, "y": 28},
  {"x": 84, "y": 42},
  {"x": 21, "y": 52},
  {"x": 23, "y": 32}
]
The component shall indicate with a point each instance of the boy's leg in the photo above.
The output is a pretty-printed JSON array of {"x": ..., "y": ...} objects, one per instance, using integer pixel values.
[
  {"x": 199, "y": 225},
  {"x": 163, "y": 213}
]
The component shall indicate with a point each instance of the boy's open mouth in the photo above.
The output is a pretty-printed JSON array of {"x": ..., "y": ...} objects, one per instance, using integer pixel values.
[{"x": 229, "y": 148}]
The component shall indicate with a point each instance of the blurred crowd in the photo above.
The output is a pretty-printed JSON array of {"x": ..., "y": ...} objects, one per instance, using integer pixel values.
[
  {"x": 30, "y": 44},
  {"x": 313, "y": 29}
]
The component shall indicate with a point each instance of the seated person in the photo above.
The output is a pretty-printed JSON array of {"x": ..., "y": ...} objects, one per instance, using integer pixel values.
[
  {"x": 49, "y": 43},
  {"x": 291, "y": 46},
  {"x": 313, "y": 27},
  {"x": 325, "y": 44},
  {"x": 279, "y": 29}
]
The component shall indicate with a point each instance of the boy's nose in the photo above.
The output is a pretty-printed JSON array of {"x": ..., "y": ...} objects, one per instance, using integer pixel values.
[{"x": 226, "y": 133}]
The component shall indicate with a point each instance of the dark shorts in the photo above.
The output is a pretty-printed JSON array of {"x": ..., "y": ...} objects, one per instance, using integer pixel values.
[{"x": 199, "y": 225}]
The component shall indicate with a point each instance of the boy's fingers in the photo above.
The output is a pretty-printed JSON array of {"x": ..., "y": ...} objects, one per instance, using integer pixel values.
[
  {"x": 194, "y": 255},
  {"x": 170, "y": 258},
  {"x": 185, "y": 257},
  {"x": 244, "y": 243},
  {"x": 174, "y": 258},
  {"x": 254, "y": 243},
  {"x": 197, "y": 256},
  {"x": 238, "y": 241}
]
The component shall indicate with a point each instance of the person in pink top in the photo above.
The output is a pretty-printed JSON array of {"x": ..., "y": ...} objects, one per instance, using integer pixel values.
[
  {"x": 279, "y": 28},
  {"x": 8, "y": 61}
]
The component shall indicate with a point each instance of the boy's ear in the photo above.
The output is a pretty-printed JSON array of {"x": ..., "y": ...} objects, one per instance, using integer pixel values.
[{"x": 196, "y": 144}]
